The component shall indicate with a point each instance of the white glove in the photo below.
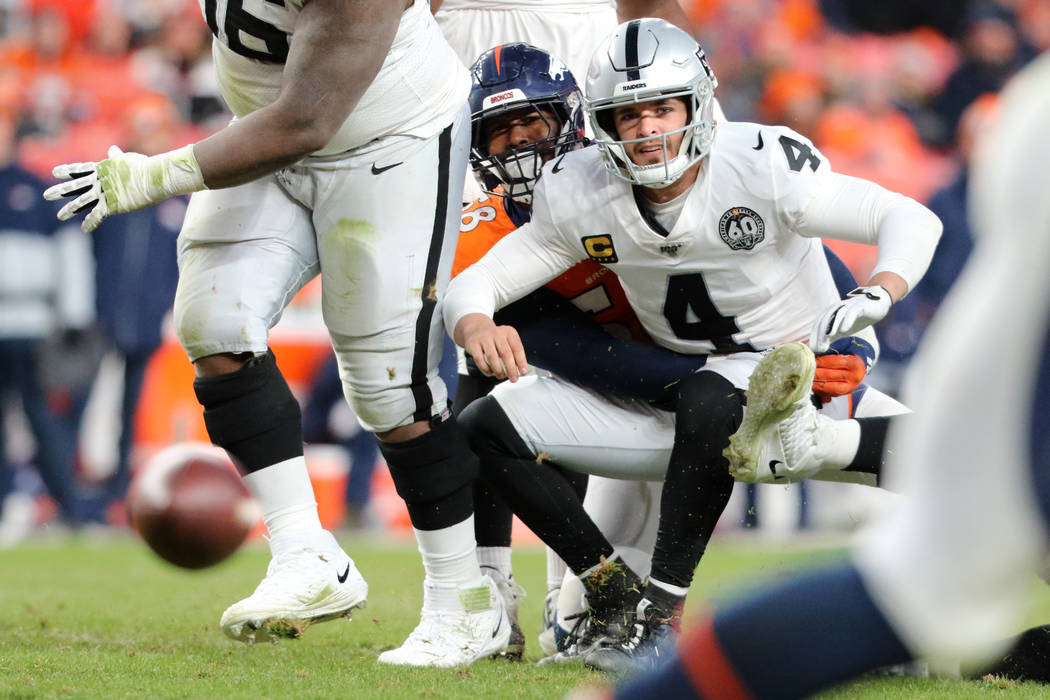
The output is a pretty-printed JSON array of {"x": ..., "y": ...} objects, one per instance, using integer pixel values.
[
  {"x": 123, "y": 182},
  {"x": 861, "y": 308}
]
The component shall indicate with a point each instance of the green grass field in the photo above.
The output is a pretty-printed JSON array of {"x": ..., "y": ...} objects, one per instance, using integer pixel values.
[{"x": 82, "y": 618}]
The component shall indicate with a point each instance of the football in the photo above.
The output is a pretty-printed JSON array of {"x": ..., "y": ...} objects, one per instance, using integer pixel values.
[{"x": 190, "y": 506}]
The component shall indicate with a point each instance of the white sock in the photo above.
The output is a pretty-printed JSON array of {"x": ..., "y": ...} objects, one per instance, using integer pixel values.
[
  {"x": 842, "y": 440},
  {"x": 450, "y": 554},
  {"x": 572, "y": 599},
  {"x": 556, "y": 569},
  {"x": 669, "y": 587},
  {"x": 497, "y": 558},
  {"x": 286, "y": 498}
]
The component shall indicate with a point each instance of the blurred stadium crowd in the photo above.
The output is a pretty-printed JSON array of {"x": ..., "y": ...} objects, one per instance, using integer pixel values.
[{"x": 79, "y": 75}]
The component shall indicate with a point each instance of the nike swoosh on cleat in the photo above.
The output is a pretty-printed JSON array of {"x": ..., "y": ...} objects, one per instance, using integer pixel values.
[
  {"x": 760, "y": 144},
  {"x": 499, "y": 625},
  {"x": 376, "y": 170},
  {"x": 773, "y": 465},
  {"x": 343, "y": 576}
]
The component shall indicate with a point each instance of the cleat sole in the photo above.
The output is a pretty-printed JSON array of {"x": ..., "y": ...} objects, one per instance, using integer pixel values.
[{"x": 780, "y": 380}]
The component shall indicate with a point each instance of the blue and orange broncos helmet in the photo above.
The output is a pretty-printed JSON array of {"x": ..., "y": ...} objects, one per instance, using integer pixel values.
[{"x": 513, "y": 77}]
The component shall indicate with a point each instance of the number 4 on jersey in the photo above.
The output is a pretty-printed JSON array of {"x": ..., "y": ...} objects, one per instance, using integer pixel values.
[{"x": 798, "y": 154}]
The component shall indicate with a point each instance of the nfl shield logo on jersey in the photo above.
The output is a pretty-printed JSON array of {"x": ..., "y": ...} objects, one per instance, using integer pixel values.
[{"x": 741, "y": 228}]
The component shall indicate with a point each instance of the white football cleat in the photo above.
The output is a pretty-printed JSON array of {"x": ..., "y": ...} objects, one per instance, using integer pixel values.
[
  {"x": 455, "y": 633},
  {"x": 305, "y": 583},
  {"x": 796, "y": 448},
  {"x": 547, "y": 637},
  {"x": 780, "y": 384},
  {"x": 510, "y": 590}
]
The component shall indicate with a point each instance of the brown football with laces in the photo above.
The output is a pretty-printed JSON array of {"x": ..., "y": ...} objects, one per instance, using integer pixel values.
[{"x": 189, "y": 504}]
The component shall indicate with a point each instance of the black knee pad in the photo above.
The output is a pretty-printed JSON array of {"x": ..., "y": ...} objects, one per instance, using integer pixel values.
[
  {"x": 489, "y": 430},
  {"x": 433, "y": 465},
  {"x": 708, "y": 401},
  {"x": 252, "y": 414}
]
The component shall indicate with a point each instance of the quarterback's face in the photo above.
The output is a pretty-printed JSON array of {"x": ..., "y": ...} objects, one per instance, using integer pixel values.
[
  {"x": 517, "y": 128},
  {"x": 638, "y": 121}
]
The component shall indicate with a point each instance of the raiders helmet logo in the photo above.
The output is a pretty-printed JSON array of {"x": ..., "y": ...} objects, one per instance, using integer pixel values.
[
  {"x": 600, "y": 248},
  {"x": 741, "y": 228}
]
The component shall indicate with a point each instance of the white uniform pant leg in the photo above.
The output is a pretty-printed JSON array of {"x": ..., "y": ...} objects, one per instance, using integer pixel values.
[
  {"x": 618, "y": 442},
  {"x": 588, "y": 432},
  {"x": 386, "y": 243},
  {"x": 243, "y": 253}
]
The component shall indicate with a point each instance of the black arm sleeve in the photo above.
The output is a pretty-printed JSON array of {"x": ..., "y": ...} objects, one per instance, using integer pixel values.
[{"x": 567, "y": 341}]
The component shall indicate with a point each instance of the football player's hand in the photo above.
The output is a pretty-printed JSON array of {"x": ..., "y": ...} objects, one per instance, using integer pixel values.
[
  {"x": 861, "y": 308},
  {"x": 838, "y": 375},
  {"x": 497, "y": 350},
  {"x": 123, "y": 182}
]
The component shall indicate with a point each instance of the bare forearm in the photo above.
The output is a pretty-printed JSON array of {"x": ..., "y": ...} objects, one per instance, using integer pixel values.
[
  {"x": 891, "y": 282},
  {"x": 250, "y": 148},
  {"x": 336, "y": 51}
]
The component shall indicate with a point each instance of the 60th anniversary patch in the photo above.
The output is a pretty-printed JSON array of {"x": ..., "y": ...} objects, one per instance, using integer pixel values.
[{"x": 741, "y": 228}]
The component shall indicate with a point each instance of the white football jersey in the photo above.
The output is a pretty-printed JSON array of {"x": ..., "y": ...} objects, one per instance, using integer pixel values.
[
  {"x": 417, "y": 92},
  {"x": 733, "y": 273}
]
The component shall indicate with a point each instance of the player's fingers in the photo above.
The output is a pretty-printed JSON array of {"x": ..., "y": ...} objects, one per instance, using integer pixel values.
[
  {"x": 818, "y": 340},
  {"x": 506, "y": 359},
  {"x": 72, "y": 170},
  {"x": 518, "y": 351},
  {"x": 836, "y": 375},
  {"x": 84, "y": 201},
  {"x": 492, "y": 359},
  {"x": 95, "y": 218},
  {"x": 834, "y": 361},
  {"x": 70, "y": 188},
  {"x": 475, "y": 349}
]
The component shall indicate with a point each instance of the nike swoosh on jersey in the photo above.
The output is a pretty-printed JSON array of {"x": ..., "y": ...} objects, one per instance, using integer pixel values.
[
  {"x": 343, "y": 576},
  {"x": 557, "y": 166},
  {"x": 377, "y": 170},
  {"x": 756, "y": 148}
]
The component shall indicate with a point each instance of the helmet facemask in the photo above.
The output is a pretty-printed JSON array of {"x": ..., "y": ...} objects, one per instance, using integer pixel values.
[
  {"x": 697, "y": 135},
  {"x": 517, "y": 168},
  {"x": 642, "y": 61},
  {"x": 521, "y": 81}
]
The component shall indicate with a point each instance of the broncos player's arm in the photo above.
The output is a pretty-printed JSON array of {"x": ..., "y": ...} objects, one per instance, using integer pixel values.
[
  {"x": 566, "y": 340},
  {"x": 522, "y": 261},
  {"x": 335, "y": 52}
]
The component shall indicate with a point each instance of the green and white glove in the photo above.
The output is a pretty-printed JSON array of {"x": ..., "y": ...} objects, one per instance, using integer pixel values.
[{"x": 123, "y": 182}]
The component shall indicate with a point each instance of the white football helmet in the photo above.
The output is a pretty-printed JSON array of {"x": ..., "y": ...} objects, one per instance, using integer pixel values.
[{"x": 643, "y": 60}]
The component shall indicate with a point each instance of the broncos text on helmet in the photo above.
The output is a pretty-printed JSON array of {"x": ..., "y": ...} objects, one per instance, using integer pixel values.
[
  {"x": 649, "y": 59},
  {"x": 519, "y": 79}
]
